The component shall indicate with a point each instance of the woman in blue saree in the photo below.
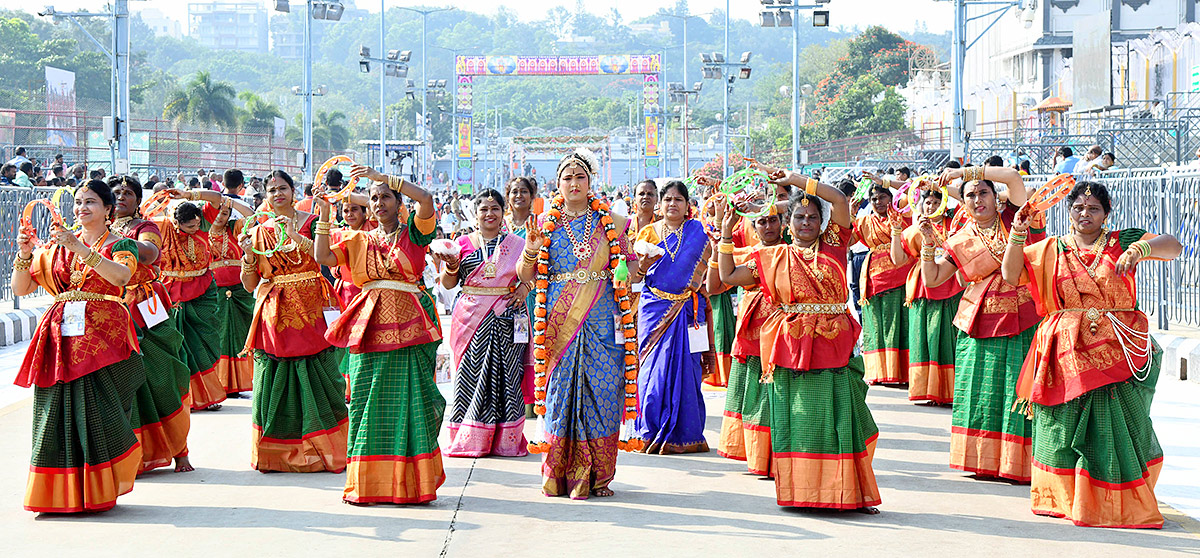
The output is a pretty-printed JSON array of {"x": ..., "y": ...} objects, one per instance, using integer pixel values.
[
  {"x": 585, "y": 377},
  {"x": 671, "y": 310}
]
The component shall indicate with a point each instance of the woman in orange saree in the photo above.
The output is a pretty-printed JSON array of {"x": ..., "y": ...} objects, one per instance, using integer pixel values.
[
  {"x": 185, "y": 274},
  {"x": 299, "y": 409},
  {"x": 884, "y": 315},
  {"x": 161, "y": 414},
  {"x": 1089, "y": 378},
  {"x": 995, "y": 321},
  {"x": 932, "y": 337},
  {"x": 235, "y": 305},
  {"x": 822, "y": 433},
  {"x": 391, "y": 332},
  {"x": 746, "y": 424},
  {"x": 82, "y": 363}
]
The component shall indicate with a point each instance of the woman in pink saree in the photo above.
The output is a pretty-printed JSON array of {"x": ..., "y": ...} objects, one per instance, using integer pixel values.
[{"x": 489, "y": 332}]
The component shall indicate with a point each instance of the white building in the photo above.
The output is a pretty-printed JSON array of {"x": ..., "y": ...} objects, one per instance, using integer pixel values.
[
  {"x": 1013, "y": 67},
  {"x": 160, "y": 23},
  {"x": 229, "y": 25}
]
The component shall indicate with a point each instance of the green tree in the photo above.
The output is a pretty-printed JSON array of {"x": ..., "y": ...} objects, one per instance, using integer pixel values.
[
  {"x": 329, "y": 131},
  {"x": 203, "y": 101},
  {"x": 256, "y": 114},
  {"x": 864, "y": 107}
]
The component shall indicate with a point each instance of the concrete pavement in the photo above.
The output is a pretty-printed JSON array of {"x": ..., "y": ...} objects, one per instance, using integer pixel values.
[{"x": 694, "y": 505}]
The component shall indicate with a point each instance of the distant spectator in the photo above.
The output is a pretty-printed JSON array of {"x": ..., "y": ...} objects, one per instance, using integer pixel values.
[
  {"x": 96, "y": 174},
  {"x": 149, "y": 185},
  {"x": 193, "y": 183},
  {"x": 58, "y": 159},
  {"x": 1109, "y": 160},
  {"x": 235, "y": 183},
  {"x": 1090, "y": 159},
  {"x": 1068, "y": 163},
  {"x": 71, "y": 182},
  {"x": 1024, "y": 168},
  {"x": 903, "y": 174},
  {"x": 24, "y": 177},
  {"x": 8, "y": 173},
  {"x": 78, "y": 171},
  {"x": 161, "y": 186},
  {"x": 205, "y": 183},
  {"x": 994, "y": 161},
  {"x": 952, "y": 164},
  {"x": 20, "y": 158},
  {"x": 57, "y": 171},
  {"x": 55, "y": 182}
]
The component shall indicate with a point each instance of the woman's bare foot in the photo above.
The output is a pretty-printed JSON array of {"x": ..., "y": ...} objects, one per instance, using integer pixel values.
[
  {"x": 213, "y": 407},
  {"x": 869, "y": 510},
  {"x": 604, "y": 492},
  {"x": 183, "y": 465},
  {"x": 359, "y": 504}
]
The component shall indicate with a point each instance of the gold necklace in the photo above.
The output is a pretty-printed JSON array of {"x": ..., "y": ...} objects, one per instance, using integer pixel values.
[
  {"x": 512, "y": 226},
  {"x": 810, "y": 254},
  {"x": 668, "y": 230},
  {"x": 121, "y": 225},
  {"x": 1097, "y": 248},
  {"x": 993, "y": 237}
]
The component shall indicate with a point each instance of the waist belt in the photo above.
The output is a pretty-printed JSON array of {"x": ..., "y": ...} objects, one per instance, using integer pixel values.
[
  {"x": 581, "y": 276},
  {"x": 671, "y": 296},
  {"x": 486, "y": 291},
  {"x": 402, "y": 286},
  {"x": 224, "y": 263},
  {"x": 808, "y": 308},
  {"x": 292, "y": 278},
  {"x": 72, "y": 296},
  {"x": 1094, "y": 314},
  {"x": 185, "y": 274}
]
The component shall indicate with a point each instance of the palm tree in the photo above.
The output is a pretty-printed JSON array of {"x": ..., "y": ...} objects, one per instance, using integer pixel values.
[
  {"x": 329, "y": 132},
  {"x": 203, "y": 101},
  {"x": 256, "y": 113}
]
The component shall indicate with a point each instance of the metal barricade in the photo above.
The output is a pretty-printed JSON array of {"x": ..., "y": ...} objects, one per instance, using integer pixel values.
[{"x": 13, "y": 200}]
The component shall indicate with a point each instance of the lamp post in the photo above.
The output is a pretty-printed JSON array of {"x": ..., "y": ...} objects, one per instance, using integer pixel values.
[
  {"x": 715, "y": 67},
  {"x": 424, "y": 71},
  {"x": 678, "y": 94},
  {"x": 313, "y": 9},
  {"x": 118, "y": 57},
  {"x": 786, "y": 13},
  {"x": 437, "y": 89},
  {"x": 1026, "y": 11},
  {"x": 394, "y": 65}
]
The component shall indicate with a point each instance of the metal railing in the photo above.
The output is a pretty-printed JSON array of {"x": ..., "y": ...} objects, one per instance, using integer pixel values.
[
  {"x": 12, "y": 203},
  {"x": 1161, "y": 202}
]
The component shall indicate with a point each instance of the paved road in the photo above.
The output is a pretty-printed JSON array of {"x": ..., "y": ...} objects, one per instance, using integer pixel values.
[{"x": 695, "y": 505}]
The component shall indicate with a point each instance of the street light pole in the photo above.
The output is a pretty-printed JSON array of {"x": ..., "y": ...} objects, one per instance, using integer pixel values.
[
  {"x": 795, "y": 94},
  {"x": 959, "y": 48},
  {"x": 382, "y": 106},
  {"x": 725, "y": 110},
  {"x": 425, "y": 143},
  {"x": 307, "y": 85}
]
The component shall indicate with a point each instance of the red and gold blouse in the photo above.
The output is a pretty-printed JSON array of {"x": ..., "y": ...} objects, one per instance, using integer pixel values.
[
  {"x": 990, "y": 307},
  {"x": 393, "y": 309},
  {"x": 108, "y": 334},
  {"x": 289, "y": 317},
  {"x": 880, "y": 274},
  {"x": 145, "y": 279},
  {"x": 226, "y": 265},
  {"x": 1076, "y": 347},
  {"x": 183, "y": 259},
  {"x": 915, "y": 287},
  {"x": 754, "y": 308},
  {"x": 813, "y": 330}
]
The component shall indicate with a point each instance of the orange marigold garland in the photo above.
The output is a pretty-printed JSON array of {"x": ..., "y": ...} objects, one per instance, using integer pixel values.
[{"x": 620, "y": 296}]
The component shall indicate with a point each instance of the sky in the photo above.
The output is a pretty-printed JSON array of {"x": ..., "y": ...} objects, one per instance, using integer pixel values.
[{"x": 898, "y": 15}]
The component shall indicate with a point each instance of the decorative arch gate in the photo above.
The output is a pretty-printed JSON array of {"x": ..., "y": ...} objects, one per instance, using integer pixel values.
[{"x": 467, "y": 68}]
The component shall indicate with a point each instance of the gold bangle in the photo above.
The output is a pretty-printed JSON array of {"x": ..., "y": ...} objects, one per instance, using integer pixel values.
[
  {"x": 451, "y": 270},
  {"x": 810, "y": 187},
  {"x": 395, "y": 183},
  {"x": 928, "y": 253},
  {"x": 1143, "y": 248},
  {"x": 93, "y": 259},
  {"x": 23, "y": 264},
  {"x": 713, "y": 265},
  {"x": 726, "y": 247}
]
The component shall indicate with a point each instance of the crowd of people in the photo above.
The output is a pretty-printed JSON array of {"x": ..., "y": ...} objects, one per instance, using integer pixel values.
[{"x": 600, "y": 326}]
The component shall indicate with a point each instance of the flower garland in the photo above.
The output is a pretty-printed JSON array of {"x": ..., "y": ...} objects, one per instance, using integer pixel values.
[{"x": 621, "y": 296}]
